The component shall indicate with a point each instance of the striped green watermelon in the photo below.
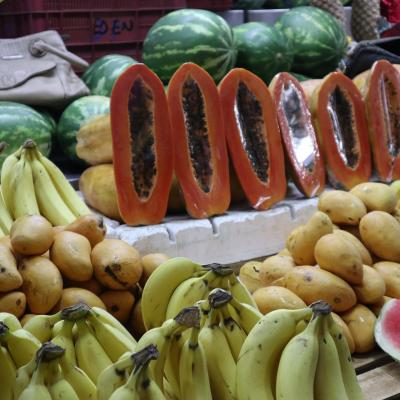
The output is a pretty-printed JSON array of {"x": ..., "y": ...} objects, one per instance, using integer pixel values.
[
  {"x": 74, "y": 116},
  {"x": 190, "y": 35},
  {"x": 19, "y": 122},
  {"x": 318, "y": 39},
  {"x": 291, "y": 3},
  {"x": 101, "y": 75},
  {"x": 262, "y": 50},
  {"x": 249, "y": 4}
]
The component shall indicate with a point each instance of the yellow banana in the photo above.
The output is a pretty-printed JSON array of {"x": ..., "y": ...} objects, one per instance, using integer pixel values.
[
  {"x": 171, "y": 368},
  {"x": 220, "y": 363},
  {"x": 162, "y": 284},
  {"x": 349, "y": 377},
  {"x": 263, "y": 347},
  {"x": 51, "y": 205},
  {"x": 7, "y": 171},
  {"x": 59, "y": 387},
  {"x": 113, "y": 341},
  {"x": 8, "y": 373},
  {"x": 10, "y": 320},
  {"x": 234, "y": 334},
  {"x": 21, "y": 344},
  {"x": 114, "y": 376},
  {"x": 64, "y": 188},
  {"x": 328, "y": 384},
  {"x": 240, "y": 292},
  {"x": 24, "y": 375},
  {"x": 298, "y": 364},
  {"x": 194, "y": 379},
  {"x": 190, "y": 291},
  {"x": 5, "y": 218},
  {"x": 41, "y": 326},
  {"x": 140, "y": 384},
  {"x": 244, "y": 314},
  {"x": 76, "y": 377},
  {"x": 90, "y": 355},
  {"x": 108, "y": 318},
  {"x": 36, "y": 389},
  {"x": 24, "y": 201}
]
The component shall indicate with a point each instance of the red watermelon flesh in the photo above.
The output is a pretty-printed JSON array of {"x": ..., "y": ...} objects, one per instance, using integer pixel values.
[{"x": 387, "y": 329}]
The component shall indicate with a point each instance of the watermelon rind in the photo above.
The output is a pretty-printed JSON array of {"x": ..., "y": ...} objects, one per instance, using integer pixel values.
[
  {"x": 78, "y": 113},
  {"x": 319, "y": 40},
  {"x": 249, "y": 4},
  {"x": 19, "y": 122},
  {"x": 382, "y": 338},
  {"x": 190, "y": 35},
  {"x": 102, "y": 74},
  {"x": 291, "y": 3},
  {"x": 262, "y": 49}
]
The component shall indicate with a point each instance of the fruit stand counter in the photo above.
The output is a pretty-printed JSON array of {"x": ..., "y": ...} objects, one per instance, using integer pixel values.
[
  {"x": 237, "y": 236},
  {"x": 378, "y": 375}
]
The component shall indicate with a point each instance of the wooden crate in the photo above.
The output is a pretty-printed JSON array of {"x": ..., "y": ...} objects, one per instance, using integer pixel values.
[{"x": 379, "y": 376}]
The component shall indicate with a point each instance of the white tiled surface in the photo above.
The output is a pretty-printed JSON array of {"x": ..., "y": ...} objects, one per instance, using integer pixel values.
[{"x": 239, "y": 235}]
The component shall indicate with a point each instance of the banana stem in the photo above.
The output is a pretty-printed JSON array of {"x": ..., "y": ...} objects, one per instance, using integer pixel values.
[{"x": 75, "y": 312}]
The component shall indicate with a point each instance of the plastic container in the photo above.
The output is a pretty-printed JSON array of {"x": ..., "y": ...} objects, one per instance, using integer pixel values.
[
  {"x": 213, "y": 5},
  {"x": 90, "y": 28}
]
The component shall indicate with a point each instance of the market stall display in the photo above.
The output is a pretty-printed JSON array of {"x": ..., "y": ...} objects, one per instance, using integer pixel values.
[{"x": 193, "y": 135}]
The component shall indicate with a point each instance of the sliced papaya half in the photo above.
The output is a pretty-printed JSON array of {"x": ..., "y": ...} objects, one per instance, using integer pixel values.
[
  {"x": 142, "y": 145},
  {"x": 339, "y": 119},
  {"x": 387, "y": 329},
  {"x": 253, "y": 138},
  {"x": 382, "y": 103},
  {"x": 298, "y": 134},
  {"x": 201, "y": 159}
]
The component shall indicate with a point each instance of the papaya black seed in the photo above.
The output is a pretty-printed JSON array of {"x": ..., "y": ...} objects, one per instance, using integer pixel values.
[
  {"x": 250, "y": 120},
  {"x": 141, "y": 121},
  {"x": 197, "y": 133}
]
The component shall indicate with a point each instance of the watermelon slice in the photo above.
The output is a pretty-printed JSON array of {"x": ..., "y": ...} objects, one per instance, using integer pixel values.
[{"x": 387, "y": 329}]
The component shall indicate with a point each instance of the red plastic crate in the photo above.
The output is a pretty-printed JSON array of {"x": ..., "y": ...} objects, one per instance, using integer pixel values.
[
  {"x": 214, "y": 5},
  {"x": 90, "y": 28}
]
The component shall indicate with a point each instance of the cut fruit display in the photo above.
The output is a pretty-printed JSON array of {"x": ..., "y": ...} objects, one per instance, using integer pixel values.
[
  {"x": 200, "y": 154},
  {"x": 339, "y": 119},
  {"x": 142, "y": 145},
  {"x": 253, "y": 139},
  {"x": 298, "y": 134},
  {"x": 381, "y": 90}
]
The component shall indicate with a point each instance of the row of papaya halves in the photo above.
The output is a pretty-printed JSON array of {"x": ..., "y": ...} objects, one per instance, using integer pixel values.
[{"x": 189, "y": 129}]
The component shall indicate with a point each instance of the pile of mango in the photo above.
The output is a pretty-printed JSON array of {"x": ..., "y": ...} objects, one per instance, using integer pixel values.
[{"x": 347, "y": 254}]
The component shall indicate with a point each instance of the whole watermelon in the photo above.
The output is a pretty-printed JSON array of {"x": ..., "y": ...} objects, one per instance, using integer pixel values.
[
  {"x": 102, "y": 74},
  {"x": 190, "y": 35},
  {"x": 19, "y": 122},
  {"x": 291, "y": 3},
  {"x": 262, "y": 50},
  {"x": 74, "y": 116},
  {"x": 249, "y": 4},
  {"x": 318, "y": 39}
]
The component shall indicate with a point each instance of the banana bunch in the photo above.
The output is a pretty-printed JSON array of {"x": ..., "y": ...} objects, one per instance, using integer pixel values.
[
  {"x": 5, "y": 217},
  {"x": 179, "y": 283},
  {"x": 140, "y": 384},
  {"x": 17, "y": 347},
  {"x": 188, "y": 366},
  {"x": 32, "y": 184},
  {"x": 297, "y": 355}
]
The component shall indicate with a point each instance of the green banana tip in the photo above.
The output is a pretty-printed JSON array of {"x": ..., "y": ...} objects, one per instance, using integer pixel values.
[
  {"x": 219, "y": 297},
  {"x": 75, "y": 312},
  {"x": 320, "y": 308},
  {"x": 3, "y": 328},
  {"x": 48, "y": 352},
  {"x": 189, "y": 316},
  {"x": 144, "y": 356},
  {"x": 219, "y": 269},
  {"x": 29, "y": 144}
]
